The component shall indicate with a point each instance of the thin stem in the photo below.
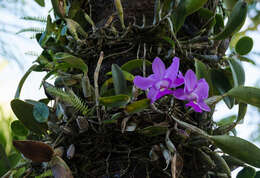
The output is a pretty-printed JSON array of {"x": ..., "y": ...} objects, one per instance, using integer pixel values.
[{"x": 96, "y": 74}]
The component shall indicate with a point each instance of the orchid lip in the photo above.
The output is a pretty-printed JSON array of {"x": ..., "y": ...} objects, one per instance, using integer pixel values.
[{"x": 162, "y": 84}]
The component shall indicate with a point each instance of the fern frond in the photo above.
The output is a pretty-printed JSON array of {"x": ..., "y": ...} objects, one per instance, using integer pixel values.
[
  {"x": 33, "y": 29},
  {"x": 69, "y": 98},
  {"x": 37, "y": 19},
  {"x": 78, "y": 103}
]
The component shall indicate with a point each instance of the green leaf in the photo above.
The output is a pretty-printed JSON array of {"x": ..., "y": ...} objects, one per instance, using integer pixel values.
[
  {"x": 46, "y": 173},
  {"x": 179, "y": 16},
  {"x": 237, "y": 72},
  {"x": 247, "y": 172},
  {"x": 219, "y": 23},
  {"x": 14, "y": 158},
  {"x": 207, "y": 14},
  {"x": 119, "y": 80},
  {"x": 114, "y": 101},
  {"x": 235, "y": 21},
  {"x": 47, "y": 35},
  {"x": 104, "y": 88},
  {"x": 135, "y": 64},
  {"x": 113, "y": 119},
  {"x": 24, "y": 112},
  {"x": 137, "y": 106},
  {"x": 20, "y": 85},
  {"x": 153, "y": 131},
  {"x": 235, "y": 38},
  {"x": 44, "y": 100},
  {"x": 128, "y": 76},
  {"x": 244, "y": 45},
  {"x": 221, "y": 82},
  {"x": 239, "y": 148},
  {"x": 19, "y": 129},
  {"x": 169, "y": 40},
  {"x": 257, "y": 175},
  {"x": 229, "y": 4},
  {"x": 166, "y": 7},
  {"x": 40, "y": 2},
  {"x": 227, "y": 120},
  {"x": 4, "y": 162},
  {"x": 245, "y": 59},
  {"x": 192, "y": 6},
  {"x": 249, "y": 95},
  {"x": 41, "y": 112},
  {"x": 202, "y": 71},
  {"x": 242, "y": 109},
  {"x": 233, "y": 162},
  {"x": 71, "y": 61}
]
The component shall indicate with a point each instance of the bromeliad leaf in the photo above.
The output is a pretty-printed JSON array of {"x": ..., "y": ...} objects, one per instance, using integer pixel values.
[
  {"x": 237, "y": 72},
  {"x": 114, "y": 101},
  {"x": 119, "y": 80},
  {"x": 41, "y": 112},
  {"x": 24, "y": 112},
  {"x": 239, "y": 148}
]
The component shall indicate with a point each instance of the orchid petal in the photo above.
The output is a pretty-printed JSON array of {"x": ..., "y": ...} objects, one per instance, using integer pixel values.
[
  {"x": 178, "y": 82},
  {"x": 158, "y": 67},
  {"x": 172, "y": 71},
  {"x": 190, "y": 81},
  {"x": 204, "y": 106},
  {"x": 195, "y": 106},
  {"x": 152, "y": 94},
  {"x": 143, "y": 83},
  {"x": 163, "y": 93},
  {"x": 180, "y": 94},
  {"x": 202, "y": 90}
]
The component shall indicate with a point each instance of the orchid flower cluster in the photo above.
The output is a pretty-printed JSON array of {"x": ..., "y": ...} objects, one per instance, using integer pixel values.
[{"x": 163, "y": 82}]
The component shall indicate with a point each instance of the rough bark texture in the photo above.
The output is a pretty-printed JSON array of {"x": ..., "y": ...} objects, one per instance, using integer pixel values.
[{"x": 104, "y": 151}]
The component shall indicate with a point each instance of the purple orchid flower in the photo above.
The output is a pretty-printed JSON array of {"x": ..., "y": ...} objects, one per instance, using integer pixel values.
[
  {"x": 195, "y": 91},
  {"x": 162, "y": 79}
]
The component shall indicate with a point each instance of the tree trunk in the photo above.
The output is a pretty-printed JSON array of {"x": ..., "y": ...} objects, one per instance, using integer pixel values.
[{"x": 109, "y": 150}]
